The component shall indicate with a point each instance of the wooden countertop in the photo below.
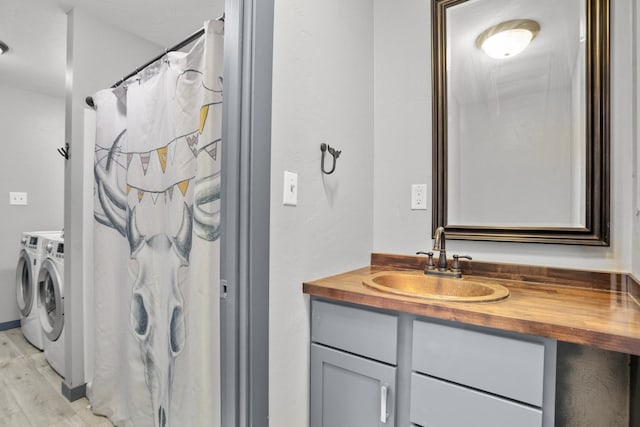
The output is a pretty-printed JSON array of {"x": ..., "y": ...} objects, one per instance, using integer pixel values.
[{"x": 587, "y": 314}]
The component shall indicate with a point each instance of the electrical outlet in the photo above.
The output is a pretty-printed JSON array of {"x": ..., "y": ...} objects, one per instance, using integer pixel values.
[
  {"x": 17, "y": 198},
  {"x": 419, "y": 197},
  {"x": 290, "y": 192}
]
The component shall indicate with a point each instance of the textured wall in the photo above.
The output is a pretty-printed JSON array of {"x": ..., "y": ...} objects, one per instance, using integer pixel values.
[
  {"x": 402, "y": 124},
  {"x": 31, "y": 129},
  {"x": 322, "y": 92},
  {"x": 592, "y": 387}
]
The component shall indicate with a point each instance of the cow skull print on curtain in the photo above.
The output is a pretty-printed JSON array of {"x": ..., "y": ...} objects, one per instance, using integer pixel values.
[{"x": 156, "y": 233}]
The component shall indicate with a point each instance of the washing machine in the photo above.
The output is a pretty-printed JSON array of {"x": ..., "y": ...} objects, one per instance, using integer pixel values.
[
  {"x": 50, "y": 301},
  {"x": 29, "y": 260}
]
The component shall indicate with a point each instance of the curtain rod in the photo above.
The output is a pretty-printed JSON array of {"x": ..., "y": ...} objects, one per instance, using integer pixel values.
[
  {"x": 183, "y": 43},
  {"x": 179, "y": 46}
]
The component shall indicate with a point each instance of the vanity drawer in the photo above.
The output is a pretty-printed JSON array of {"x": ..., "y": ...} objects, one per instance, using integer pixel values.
[
  {"x": 367, "y": 333},
  {"x": 436, "y": 403},
  {"x": 512, "y": 367}
]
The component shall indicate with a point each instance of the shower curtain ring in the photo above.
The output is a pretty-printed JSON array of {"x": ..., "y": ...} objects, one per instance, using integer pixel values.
[{"x": 334, "y": 154}]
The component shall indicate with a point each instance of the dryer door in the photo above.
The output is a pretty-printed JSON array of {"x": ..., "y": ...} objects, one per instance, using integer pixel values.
[
  {"x": 50, "y": 300},
  {"x": 25, "y": 283}
]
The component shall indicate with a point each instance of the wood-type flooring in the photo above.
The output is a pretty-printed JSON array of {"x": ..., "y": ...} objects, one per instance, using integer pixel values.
[{"x": 30, "y": 390}]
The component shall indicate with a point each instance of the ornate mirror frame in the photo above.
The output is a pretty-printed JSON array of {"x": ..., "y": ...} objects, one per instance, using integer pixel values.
[{"x": 597, "y": 198}]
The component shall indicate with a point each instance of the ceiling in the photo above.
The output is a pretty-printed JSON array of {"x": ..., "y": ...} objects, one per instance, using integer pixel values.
[{"x": 35, "y": 31}]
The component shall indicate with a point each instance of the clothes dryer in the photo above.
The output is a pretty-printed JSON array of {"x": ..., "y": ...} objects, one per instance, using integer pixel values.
[
  {"x": 29, "y": 259},
  {"x": 50, "y": 297}
]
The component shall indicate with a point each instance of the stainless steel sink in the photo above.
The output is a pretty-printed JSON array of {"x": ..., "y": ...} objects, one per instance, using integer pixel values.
[{"x": 418, "y": 285}]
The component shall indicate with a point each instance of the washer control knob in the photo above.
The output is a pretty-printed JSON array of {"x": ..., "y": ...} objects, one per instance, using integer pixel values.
[
  {"x": 49, "y": 247},
  {"x": 23, "y": 241}
]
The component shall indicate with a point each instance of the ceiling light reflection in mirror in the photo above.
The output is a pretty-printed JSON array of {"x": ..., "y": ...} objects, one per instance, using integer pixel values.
[{"x": 507, "y": 39}]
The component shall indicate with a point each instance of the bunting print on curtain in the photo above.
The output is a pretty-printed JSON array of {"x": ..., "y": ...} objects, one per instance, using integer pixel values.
[{"x": 156, "y": 242}]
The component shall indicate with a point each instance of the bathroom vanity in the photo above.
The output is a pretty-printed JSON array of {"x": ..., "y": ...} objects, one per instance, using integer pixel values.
[{"x": 379, "y": 359}]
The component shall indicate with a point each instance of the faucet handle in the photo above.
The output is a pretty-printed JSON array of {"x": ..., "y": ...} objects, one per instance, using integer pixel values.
[
  {"x": 430, "y": 265},
  {"x": 455, "y": 265}
]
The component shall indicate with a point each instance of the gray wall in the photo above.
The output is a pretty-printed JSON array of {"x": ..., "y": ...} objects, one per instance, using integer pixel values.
[
  {"x": 31, "y": 129},
  {"x": 402, "y": 124},
  {"x": 322, "y": 92}
]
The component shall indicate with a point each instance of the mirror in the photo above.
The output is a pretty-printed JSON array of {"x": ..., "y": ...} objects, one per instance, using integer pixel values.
[{"x": 521, "y": 120}]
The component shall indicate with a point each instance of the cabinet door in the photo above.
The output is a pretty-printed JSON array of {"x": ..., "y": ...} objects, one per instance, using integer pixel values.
[{"x": 350, "y": 391}]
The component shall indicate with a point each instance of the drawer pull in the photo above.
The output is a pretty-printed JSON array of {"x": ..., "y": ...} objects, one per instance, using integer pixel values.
[{"x": 383, "y": 404}]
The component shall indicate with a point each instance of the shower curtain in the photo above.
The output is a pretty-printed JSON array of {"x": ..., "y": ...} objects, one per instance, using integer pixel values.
[{"x": 156, "y": 233}]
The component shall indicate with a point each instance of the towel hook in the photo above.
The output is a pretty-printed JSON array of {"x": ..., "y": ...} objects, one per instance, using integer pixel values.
[
  {"x": 334, "y": 154},
  {"x": 64, "y": 151}
]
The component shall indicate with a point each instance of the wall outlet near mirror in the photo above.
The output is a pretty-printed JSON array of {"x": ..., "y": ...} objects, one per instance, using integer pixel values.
[{"x": 419, "y": 197}]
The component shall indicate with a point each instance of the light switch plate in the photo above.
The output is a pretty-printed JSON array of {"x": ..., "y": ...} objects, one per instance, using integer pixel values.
[
  {"x": 17, "y": 198},
  {"x": 419, "y": 197},
  {"x": 290, "y": 193}
]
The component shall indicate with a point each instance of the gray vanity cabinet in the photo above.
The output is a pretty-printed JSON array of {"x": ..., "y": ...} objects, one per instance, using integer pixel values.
[
  {"x": 353, "y": 373},
  {"x": 372, "y": 368}
]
